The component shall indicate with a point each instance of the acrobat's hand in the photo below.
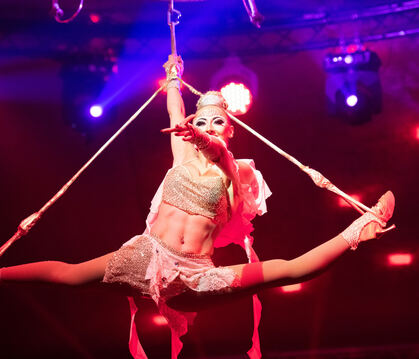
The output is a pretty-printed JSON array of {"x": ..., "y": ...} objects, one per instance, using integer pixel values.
[
  {"x": 181, "y": 124},
  {"x": 190, "y": 133},
  {"x": 174, "y": 67}
]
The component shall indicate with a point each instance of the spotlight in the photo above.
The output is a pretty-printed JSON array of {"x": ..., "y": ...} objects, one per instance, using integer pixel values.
[
  {"x": 352, "y": 100},
  {"x": 159, "y": 320},
  {"x": 95, "y": 18},
  {"x": 400, "y": 259},
  {"x": 343, "y": 203},
  {"x": 349, "y": 59},
  {"x": 84, "y": 78},
  {"x": 237, "y": 83},
  {"x": 161, "y": 82},
  {"x": 96, "y": 111},
  {"x": 292, "y": 288},
  {"x": 238, "y": 97},
  {"x": 353, "y": 88}
]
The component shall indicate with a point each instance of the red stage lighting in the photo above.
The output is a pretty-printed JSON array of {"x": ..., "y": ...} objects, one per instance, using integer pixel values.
[
  {"x": 291, "y": 288},
  {"x": 343, "y": 203},
  {"x": 161, "y": 82},
  {"x": 95, "y": 18},
  {"x": 400, "y": 259},
  {"x": 159, "y": 320},
  {"x": 238, "y": 97},
  {"x": 350, "y": 49},
  {"x": 417, "y": 133}
]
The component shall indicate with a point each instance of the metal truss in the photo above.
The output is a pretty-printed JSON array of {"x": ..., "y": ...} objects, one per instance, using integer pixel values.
[
  {"x": 318, "y": 31},
  {"x": 307, "y": 32},
  {"x": 323, "y": 30}
]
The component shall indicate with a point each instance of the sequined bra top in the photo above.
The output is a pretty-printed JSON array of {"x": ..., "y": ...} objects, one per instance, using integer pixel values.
[{"x": 206, "y": 196}]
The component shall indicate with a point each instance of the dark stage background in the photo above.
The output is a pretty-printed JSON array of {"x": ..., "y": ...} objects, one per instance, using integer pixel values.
[{"x": 361, "y": 303}]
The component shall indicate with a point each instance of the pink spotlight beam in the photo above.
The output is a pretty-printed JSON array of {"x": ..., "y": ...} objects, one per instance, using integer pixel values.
[
  {"x": 399, "y": 259},
  {"x": 344, "y": 203},
  {"x": 292, "y": 288},
  {"x": 159, "y": 320}
]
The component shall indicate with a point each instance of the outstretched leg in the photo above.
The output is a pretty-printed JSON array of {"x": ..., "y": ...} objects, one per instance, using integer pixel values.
[
  {"x": 281, "y": 272},
  {"x": 57, "y": 272}
]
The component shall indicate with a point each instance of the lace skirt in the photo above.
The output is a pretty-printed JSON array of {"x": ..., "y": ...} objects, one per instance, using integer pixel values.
[{"x": 147, "y": 264}]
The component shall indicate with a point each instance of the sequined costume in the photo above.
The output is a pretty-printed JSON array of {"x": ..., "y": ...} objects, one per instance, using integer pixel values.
[
  {"x": 147, "y": 264},
  {"x": 205, "y": 195}
]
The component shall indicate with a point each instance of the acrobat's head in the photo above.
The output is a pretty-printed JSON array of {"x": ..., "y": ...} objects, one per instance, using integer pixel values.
[{"x": 211, "y": 116}]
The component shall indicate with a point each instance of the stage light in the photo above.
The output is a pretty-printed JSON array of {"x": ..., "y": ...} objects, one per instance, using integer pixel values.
[
  {"x": 292, "y": 288},
  {"x": 399, "y": 259},
  {"x": 237, "y": 83},
  {"x": 353, "y": 88},
  {"x": 343, "y": 203},
  {"x": 95, "y": 18},
  {"x": 352, "y": 100},
  {"x": 417, "y": 133},
  {"x": 159, "y": 320},
  {"x": 83, "y": 81},
  {"x": 161, "y": 82},
  {"x": 238, "y": 97},
  {"x": 96, "y": 111},
  {"x": 350, "y": 49},
  {"x": 349, "y": 59}
]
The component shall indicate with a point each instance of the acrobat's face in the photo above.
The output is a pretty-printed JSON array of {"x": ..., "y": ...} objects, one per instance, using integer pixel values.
[{"x": 214, "y": 121}]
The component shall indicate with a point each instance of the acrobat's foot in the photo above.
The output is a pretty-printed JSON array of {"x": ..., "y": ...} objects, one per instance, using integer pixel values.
[{"x": 370, "y": 225}]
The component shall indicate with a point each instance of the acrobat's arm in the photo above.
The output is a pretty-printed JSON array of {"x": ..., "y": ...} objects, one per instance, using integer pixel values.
[{"x": 176, "y": 108}]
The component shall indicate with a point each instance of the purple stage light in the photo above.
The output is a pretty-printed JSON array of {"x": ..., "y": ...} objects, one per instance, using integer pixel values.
[
  {"x": 349, "y": 59},
  {"x": 96, "y": 111},
  {"x": 351, "y": 100}
]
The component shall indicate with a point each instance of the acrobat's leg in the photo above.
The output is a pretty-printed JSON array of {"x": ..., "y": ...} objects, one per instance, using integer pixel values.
[
  {"x": 282, "y": 272},
  {"x": 57, "y": 272}
]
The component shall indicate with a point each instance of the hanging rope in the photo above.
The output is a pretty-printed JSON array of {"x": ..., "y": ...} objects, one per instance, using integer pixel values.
[
  {"x": 28, "y": 223},
  {"x": 173, "y": 17},
  {"x": 316, "y": 176},
  {"x": 255, "y": 16}
]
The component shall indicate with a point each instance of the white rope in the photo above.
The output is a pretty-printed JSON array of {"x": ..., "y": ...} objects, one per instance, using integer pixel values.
[
  {"x": 28, "y": 223},
  {"x": 316, "y": 176}
]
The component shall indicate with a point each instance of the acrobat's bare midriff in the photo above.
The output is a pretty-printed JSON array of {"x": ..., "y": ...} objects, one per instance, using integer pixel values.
[{"x": 189, "y": 233}]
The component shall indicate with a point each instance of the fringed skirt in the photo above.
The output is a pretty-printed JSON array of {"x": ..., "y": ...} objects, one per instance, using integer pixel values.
[{"x": 147, "y": 264}]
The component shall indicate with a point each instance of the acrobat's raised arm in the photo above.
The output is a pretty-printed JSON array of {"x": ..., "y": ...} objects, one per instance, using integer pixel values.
[{"x": 176, "y": 108}]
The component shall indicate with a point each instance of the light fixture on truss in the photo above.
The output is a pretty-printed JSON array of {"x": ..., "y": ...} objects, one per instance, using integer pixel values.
[
  {"x": 353, "y": 87},
  {"x": 238, "y": 84}
]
